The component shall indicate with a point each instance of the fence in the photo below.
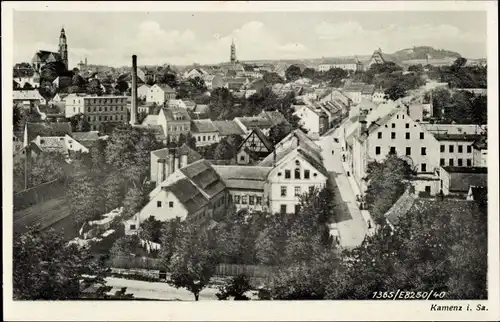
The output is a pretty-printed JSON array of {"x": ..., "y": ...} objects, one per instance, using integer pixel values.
[{"x": 37, "y": 194}]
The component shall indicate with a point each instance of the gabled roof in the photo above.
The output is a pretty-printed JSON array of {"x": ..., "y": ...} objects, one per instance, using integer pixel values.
[
  {"x": 184, "y": 149},
  {"x": 400, "y": 207},
  {"x": 368, "y": 90},
  {"x": 27, "y": 95},
  {"x": 204, "y": 177},
  {"x": 354, "y": 87},
  {"x": 226, "y": 128},
  {"x": 263, "y": 138},
  {"x": 150, "y": 120},
  {"x": 201, "y": 109},
  {"x": 252, "y": 122},
  {"x": 367, "y": 105},
  {"x": 275, "y": 117},
  {"x": 166, "y": 88},
  {"x": 457, "y": 137},
  {"x": 203, "y": 126},
  {"x": 465, "y": 177},
  {"x": 243, "y": 177},
  {"x": 173, "y": 112},
  {"x": 43, "y": 55},
  {"x": 45, "y": 129},
  {"x": 53, "y": 144},
  {"x": 188, "y": 194},
  {"x": 85, "y": 136}
]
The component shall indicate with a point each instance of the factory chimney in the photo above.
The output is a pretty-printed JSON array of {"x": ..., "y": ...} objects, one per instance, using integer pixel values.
[{"x": 133, "y": 107}]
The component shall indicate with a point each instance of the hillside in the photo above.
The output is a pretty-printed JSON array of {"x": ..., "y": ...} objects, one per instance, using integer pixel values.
[{"x": 422, "y": 52}]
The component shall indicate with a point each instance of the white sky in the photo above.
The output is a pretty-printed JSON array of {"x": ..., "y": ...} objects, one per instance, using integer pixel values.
[{"x": 110, "y": 38}]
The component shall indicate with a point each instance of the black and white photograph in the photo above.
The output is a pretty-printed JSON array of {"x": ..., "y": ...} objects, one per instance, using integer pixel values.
[{"x": 210, "y": 155}]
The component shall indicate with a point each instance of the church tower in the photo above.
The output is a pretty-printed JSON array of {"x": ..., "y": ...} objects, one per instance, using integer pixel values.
[
  {"x": 233, "y": 53},
  {"x": 63, "y": 48}
]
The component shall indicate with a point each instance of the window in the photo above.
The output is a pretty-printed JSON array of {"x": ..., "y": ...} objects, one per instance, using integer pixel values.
[
  {"x": 230, "y": 198},
  {"x": 242, "y": 158},
  {"x": 251, "y": 200},
  {"x": 469, "y": 148},
  {"x": 393, "y": 135},
  {"x": 204, "y": 137},
  {"x": 407, "y": 135},
  {"x": 132, "y": 227},
  {"x": 442, "y": 148},
  {"x": 408, "y": 151},
  {"x": 428, "y": 189},
  {"x": 297, "y": 173},
  {"x": 441, "y": 162},
  {"x": 258, "y": 200},
  {"x": 199, "y": 138},
  {"x": 297, "y": 208},
  {"x": 237, "y": 199},
  {"x": 392, "y": 150},
  {"x": 283, "y": 191},
  {"x": 379, "y": 135},
  {"x": 377, "y": 150},
  {"x": 424, "y": 167},
  {"x": 105, "y": 107},
  {"x": 423, "y": 151},
  {"x": 393, "y": 125},
  {"x": 450, "y": 162},
  {"x": 450, "y": 148},
  {"x": 460, "y": 162},
  {"x": 421, "y": 135},
  {"x": 407, "y": 125},
  {"x": 307, "y": 174},
  {"x": 469, "y": 162},
  {"x": 460, "y": 149},
  {"x": 297, "y": 191},
  {"x": 158, "y": 204},
  {"x": 42, "y": 141},
  {"x": 243, "y": 200},
  {"x": 283, "y": 209},
  {"x": 288, "y": 174}
]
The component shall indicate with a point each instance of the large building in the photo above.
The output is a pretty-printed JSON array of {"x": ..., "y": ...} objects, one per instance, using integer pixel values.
[
  {"x": 98, "y": 110},
  {"x": 352, "y": 64},
  {"x": 376, "y": 58},
  {"x": 174, "y": 121},
  {"x": 43, "y": 57},
  {"x": 159, "y": 94}
]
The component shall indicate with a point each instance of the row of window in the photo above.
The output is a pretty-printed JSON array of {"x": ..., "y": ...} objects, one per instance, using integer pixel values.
[
  {"x": 297, "y": 174},
  {"x": 106, "y": 100},
  {"x": 407, "y": 135},
  {"x": 392, "y": 150},
  {"x": 284, "y": 210},
  {"x": 252, "y": 200},
  {"x": 451, "y": 148},
  {"x": 451, "y": 162},
  {"x": 297, "y": 191},
  {"x": 106, "y": 118},
  {"x": 105, "y": 109},
  {"x": 205, "y": 137},
  {"x": 170, "y": 204},
  {"x": 178, "y": 128}
]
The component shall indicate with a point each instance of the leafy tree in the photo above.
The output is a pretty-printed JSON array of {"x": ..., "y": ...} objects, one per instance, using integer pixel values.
[
  {"x": 151, "y": 229},
  {"x": 27, "y": 86},
  {"x": 335, "y": 76},
  {"x": 134, "y": 200},
  {"x": 192, "y": 264},
  {"x": 86, "y": 200},
  {"x": 197, "y": 85},
  {"x": 273, "y": 78},
  {"x": 121, "y": 86},
  {"x": 46, "y": 167},
  {"x": 50, "y": 71},
  {"x": 440, "y": 99},
  {"x": 47, "y": 90},
  {"x": 309, "y": 73},
  {"x": 458, "y": 63},
  {"x": 416, "y": 68},
  {"x": 293, "y": 73},
  {"x": 225, "y": 150},
  {"x": 113, "y": 190},
  {"x": 169, "y": 237},
  {"x": 170, "y": 79},
  {"x": 279, "y": 131},
  {"x": 395, "y": 92},
  {"x": 79, "y": 123},
  {"x": 221, "y": 103},
  {"x": 94, "y": 87},
  {"x": 235, "y": 288},
  {"x": 19, "y": 117},
  {"x": 45, "y": 267},
  {"x": 125, "y": 246}
]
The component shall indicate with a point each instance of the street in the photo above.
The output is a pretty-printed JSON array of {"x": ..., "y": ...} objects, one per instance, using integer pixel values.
[{"x": 351, "y": 225}]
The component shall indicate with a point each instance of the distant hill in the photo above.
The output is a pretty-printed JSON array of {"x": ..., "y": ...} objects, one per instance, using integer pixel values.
[{"x": 421, "y": 52}]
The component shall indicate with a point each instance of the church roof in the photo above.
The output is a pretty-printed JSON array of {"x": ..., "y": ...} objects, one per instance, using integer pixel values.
[{"x": 44, "y": 55}]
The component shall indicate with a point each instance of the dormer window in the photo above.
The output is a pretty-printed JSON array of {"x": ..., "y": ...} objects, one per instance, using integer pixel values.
[{"x": 297, "y": 162}]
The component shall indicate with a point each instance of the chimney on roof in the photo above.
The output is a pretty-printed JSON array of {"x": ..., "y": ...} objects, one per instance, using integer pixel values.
[
  {"x": 133, "y": 108},
  {"x": 274, "y": 158},
  {"x": 183, "y": 160},
  {"x": 362, "y": 125}
]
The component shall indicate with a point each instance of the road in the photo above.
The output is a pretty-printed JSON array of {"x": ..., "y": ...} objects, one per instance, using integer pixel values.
[
  {"x": 351, "y": 225},
  {"x": 158, "y": 290}
]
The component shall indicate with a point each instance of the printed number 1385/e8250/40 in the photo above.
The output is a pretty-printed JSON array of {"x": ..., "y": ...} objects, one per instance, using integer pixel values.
[{"x": 408, "y": 295}]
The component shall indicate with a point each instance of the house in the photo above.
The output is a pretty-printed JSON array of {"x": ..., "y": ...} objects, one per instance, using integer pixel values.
[
  {"x": 227, "y": 128},
  {"x": 378, "y": 96},
  {"x": 395, "y": 133},
  {"x": 174, "y": 122},
  {"x": 297, "y": 168},
  {"x": 456, "y": 149},
  {"x": 160, "y": 94},
  {"x": 205, "y": 132},
  {"x": 436, "y": 128},
  {"x": 28, "y": 98},
  {"x": 87, "y": 139},
  {"x": 59, "y": 98},
  {"x": 201, "y": 109},
  {"x": 246, "y": 185},
  {"x": 248, "y": 123},
  {"x": 193, "y": 192},
  {"x": 312, "y": 118},
  {"x": 32, "y": 131},
  {"x": 367, "y": 92},
  {"x": 175, "y": 103},
  {"x": 212, "y": 81},
  {"x": 480, "y": 154},
  {"x": 255, "y": 147},
  {"x": 354, "y": 91},
  {"x": 376, "y": 58},
  {"x": 349, "y": 64},
  {"x": 275, "y": 117},
  {"x": 155, "y": 130},
  {"x": 33, "y": 81},
  {"x": 236, "y": 84},
  {"x": 457, "y": 181},
  {"x": 166, "y": 161},
  {"x": 195, "y": 72},
  {"x": 142, "y": 91},
  {"x": 189, "y": 104}
]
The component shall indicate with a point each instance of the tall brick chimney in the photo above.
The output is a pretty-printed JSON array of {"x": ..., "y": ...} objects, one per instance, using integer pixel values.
[{"x": 133, "y": 107}]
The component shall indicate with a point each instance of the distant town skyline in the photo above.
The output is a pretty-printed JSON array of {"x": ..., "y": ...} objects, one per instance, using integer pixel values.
[{"x": 110, "y": 38}]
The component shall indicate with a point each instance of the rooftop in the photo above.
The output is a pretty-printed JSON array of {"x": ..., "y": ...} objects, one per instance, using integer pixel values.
[
  {"x": 203, "y": 126},
  {"x": 45, "y": 129},
  {"x": 204, "y": 176},
  {"x": 188, "y": 194},
  {"x": 466, "y": 169},
  {"x": 243, "y": 177},
  {"x": 457, "y": 137},
  {"x": 226, "y": 128}
]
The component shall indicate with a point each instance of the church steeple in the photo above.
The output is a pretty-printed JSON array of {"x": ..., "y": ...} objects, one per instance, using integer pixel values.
[
  {"x": 233, "y": 52},
  {"x": 63, "y": 48}
]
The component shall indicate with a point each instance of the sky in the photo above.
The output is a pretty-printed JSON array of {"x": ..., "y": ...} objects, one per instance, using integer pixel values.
[{"x": 183, "y": 38}]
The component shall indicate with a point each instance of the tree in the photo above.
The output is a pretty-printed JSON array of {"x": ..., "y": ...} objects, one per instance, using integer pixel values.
[
  {"x": 125, "y": 246},
  {"x": 192, "y": 264},
  {"x": 94, "y": 87},
  {"x": 85, "y": 198},
  {"x": 47, "y": 166},
  {"x": 458, "y": 63},
  {"x": 335, "y": 76},
  {"x": 50, "y": 71},
  {"x": 221, "y": 103},
  {"x": 441, "y": 98},
  {"x": 416, "y": 68},
  {"x": 151, "y": 230},
  {"x": 47, "y": 90},
  {"x": 395, "y": 92},
  {"x": 121, "y": 86},
  {"x": 224, "y": 150},
  {"x": 113, "y": 190},
  {"x": 19, "y": 117},
  {"x": 134, "y": 200},
  {"x": 45, "y": 267},
  {"x": 273, "y": 78},
  {"x": 169, "y": 237},
  {"x": 197, "y": 85},
  {"x": 27, "y": 86},
  {"x": 235, "y": 288},
  {"x": 309, "y": 73},
  {"x": 170, "y": 79},
  {"x": 279, "y": 131},
  {"x": 293, "y": 73},
  {"x": 79, "y": 123}
]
